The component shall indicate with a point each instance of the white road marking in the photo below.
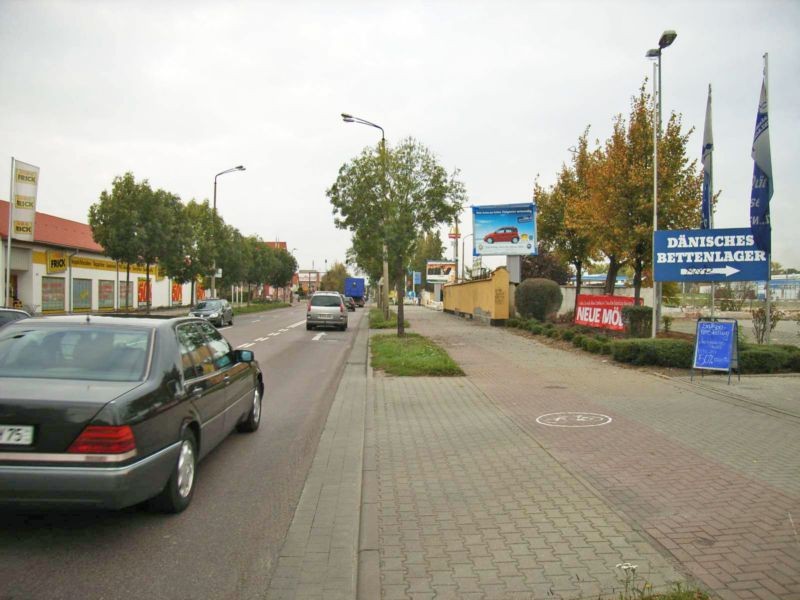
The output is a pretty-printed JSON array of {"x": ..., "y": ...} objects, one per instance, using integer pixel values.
[
  {"x": 274, "y": 334},
  {"x": 296, "y": 324},
  {"x": 318, "y": 337},
  {"x": 261, "y": 339},
  {"x": 245, "y": 345},
  {"x": 283, "y": 330}
]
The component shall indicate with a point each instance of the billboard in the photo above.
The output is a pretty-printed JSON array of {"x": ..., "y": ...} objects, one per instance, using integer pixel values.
[
  {"x": 604, "y": 312},
  {"x": 439, "y": 271},
  {"x": 504, "y": 230}
]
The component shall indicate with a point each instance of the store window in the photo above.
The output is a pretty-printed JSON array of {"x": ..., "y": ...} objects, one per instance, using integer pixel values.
[
  {"x": 53, "y": 295},
  {"x": 105, "y": 294},
  {"x": 81, "y": 294},
  {"x": 126, "y": 293}
]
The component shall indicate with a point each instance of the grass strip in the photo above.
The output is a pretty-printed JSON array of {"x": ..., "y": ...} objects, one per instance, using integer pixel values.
[
  {"x": 241, "y": 309},
  {"x": 411, "y": 356},
  {"x": 376, "y": 320}
]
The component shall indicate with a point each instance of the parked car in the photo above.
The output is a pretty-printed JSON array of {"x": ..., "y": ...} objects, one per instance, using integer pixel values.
[
  {"x": 217, "y": 310},
  {"x": 503, "y": 234},
  {"x": 9, "y": 315},
  {"x": 326, "y": 309},
  {"x": 350, "y": 303},
  {"x": 107, "y": 412}
]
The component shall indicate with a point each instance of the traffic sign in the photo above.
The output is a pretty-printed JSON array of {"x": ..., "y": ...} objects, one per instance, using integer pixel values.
[{"x": 709, "y": 255}]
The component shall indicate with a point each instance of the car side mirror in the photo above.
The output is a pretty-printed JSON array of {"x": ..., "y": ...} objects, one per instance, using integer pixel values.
[{"x": 244, "y": 356}]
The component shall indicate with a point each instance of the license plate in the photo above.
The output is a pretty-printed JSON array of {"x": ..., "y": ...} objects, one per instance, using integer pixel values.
[
  {"x": 17, "y": 435},
  {"x": 326, "y": 316}
]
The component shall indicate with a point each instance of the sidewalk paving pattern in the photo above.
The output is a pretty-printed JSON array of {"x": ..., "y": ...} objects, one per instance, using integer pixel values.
[{"x": 466, "y": 495}]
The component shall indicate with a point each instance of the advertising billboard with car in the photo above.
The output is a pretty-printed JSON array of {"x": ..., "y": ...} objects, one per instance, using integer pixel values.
[{"x": 504, "y": 230}]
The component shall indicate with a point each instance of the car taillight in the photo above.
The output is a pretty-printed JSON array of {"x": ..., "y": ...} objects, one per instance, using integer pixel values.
[
  {"x": 101, "y": 439},
  {"x": 341, "y": 308},
  {"x": 309, "y": 307}
]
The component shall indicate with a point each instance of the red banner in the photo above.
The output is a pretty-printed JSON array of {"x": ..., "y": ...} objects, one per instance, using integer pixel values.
[
  {"x": 177, "y": 292},
  {"x": 601, "y": 311}
]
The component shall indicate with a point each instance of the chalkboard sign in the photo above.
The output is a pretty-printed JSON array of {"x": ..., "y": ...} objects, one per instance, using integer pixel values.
[{"x": 716, "y": 346}]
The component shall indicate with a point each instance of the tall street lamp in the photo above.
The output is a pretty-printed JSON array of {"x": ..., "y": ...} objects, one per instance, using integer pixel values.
[
  {"x": 214, "y": 274},
  {"x": 385, "y": 291},
  {"x": 665, "y": 40}
]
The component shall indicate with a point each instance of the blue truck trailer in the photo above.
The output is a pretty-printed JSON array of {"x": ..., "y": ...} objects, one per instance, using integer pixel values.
[{"x": 354, "y": 287}]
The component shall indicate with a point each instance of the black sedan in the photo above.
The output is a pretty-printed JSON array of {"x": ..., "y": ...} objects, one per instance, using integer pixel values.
[{"x": 108, "y": 412}]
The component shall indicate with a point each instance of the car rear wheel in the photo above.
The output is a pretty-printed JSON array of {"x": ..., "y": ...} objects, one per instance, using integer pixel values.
[
  {"x": 253, "y": 420},
  {"x": 514, "y": 240},
  {"x": 308, "y": 327},
  {"x": 490, "y": 240},
  {"x": 178, "y": 492}
]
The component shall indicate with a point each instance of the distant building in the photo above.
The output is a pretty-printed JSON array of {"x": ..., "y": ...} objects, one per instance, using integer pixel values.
[
  {"x": 65, "y": 271},
  {"x": 599, "y": 280}
]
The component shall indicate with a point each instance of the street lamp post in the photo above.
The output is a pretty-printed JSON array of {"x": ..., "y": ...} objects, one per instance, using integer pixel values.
[
  {"x": 385, "y": 291},
  {"x": 464, "y": 256},
  {"x": 214, "y": 274},
  {"x": 665, "y": 40}
]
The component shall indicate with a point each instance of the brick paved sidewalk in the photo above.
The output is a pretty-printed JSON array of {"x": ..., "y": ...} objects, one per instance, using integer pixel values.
[{"x": 713, "y": 481}]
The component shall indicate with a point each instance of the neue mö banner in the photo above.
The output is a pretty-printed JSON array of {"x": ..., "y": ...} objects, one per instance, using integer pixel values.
[{"x": 604, "y": 312}]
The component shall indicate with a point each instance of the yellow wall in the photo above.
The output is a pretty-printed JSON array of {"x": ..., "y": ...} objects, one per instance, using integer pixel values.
[{"x": 486, "y": 297}]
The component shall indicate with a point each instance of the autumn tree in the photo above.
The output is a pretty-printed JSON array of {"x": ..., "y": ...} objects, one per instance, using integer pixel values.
[
  {"x": 334, "y": 278},
  {"x": 620, "y": 184}
]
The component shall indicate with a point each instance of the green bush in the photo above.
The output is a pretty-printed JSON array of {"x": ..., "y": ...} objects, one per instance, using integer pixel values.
[
  {"x": 552, "y": 333},
  {"x": 663, "y": 353},
  {"x": 512, "y": 322},
  {"x": 535, "y": 327},
  {"x": 638, "y": 320},
  {"x": 577, "y": 340},
  {"x": 593, "y": 345},
  {"x": 538, "y": 298},
  {"x": 766, "y": 359},
  {"x": 568, "y": 334}
]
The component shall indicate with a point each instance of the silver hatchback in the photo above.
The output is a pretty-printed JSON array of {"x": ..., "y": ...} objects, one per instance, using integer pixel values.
[{"x": 326, "y": 309}]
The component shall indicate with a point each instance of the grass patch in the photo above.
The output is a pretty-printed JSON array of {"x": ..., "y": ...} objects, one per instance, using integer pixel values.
[
  {"x": 411, "y": 356},
  {"x": 242, "y": 309},
  {"x": 376, "y": 320}
]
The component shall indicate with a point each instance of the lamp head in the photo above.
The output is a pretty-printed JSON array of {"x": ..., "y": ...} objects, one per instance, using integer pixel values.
[
  {"x": 653, "y": 53},
  {"x": 240, "y": 168},
  {"x": 347, "y": 118},
  {"x": 667, "y": 38}
]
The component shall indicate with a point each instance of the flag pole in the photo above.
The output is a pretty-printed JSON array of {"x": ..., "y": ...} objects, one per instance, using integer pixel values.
[
  {"x": 6, "y": 290},
  {"x": 769, "y": 254}
]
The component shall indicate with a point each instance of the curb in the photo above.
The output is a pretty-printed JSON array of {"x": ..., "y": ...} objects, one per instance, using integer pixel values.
[{"x": 368, "y": 570}]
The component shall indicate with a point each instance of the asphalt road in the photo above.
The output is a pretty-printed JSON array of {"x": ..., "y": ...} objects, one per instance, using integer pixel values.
[{"x": 225, "y": 544}]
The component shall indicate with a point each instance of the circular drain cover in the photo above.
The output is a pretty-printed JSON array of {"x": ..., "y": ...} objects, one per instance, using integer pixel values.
[{"x": 573, "y": 419}]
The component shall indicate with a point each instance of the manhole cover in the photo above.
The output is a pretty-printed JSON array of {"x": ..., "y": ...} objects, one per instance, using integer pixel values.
[{"x": 573, "y": 419}]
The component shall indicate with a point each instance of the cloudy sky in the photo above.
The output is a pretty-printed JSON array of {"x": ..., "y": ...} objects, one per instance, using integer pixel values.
[{"x": 178, "y": 91}]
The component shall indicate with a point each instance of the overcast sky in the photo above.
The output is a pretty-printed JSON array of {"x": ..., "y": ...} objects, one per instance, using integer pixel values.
[{"x": 177, "y": 91}]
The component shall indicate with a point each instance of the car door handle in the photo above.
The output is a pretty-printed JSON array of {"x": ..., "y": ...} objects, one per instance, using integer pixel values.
[{"x": 227, "y": 379}]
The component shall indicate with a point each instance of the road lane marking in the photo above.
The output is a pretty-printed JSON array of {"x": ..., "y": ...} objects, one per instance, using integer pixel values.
[
  {"x": 296, "y": 324},
  {"x": 318, "y": 337},
  {"x": 245, "y": 345},
  {"x": 274, "y": 334},
  {"x": 261, "y": 339},
  {"x": 283, "y": 330}
]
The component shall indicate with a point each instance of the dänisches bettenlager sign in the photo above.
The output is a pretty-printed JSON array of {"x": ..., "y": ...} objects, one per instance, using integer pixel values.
[{"x": 708, "y": 255}]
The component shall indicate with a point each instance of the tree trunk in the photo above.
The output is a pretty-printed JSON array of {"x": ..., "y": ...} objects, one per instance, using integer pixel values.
[
  {"x": 191, "y": 293},
  {"x": 611, "y": 278},
  {"x": 638, "y": 267},
  {"x": 400, "y": 308},
  {"x": 578, "y": 264},
  {"x": 127, "y": 286}
]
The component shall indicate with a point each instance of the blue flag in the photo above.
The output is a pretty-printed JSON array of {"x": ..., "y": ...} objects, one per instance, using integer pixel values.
[
  {"x": 706, "y": 221},
  {"x": 762, "y": 176}
]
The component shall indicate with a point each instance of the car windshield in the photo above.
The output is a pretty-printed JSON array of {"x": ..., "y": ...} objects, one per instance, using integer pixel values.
[
  {"x": 209, "y": 305},
  {"x": 326, "y": 300},
  {"x": 7, "y": 316},
  {"x": 85, "y": 353}
]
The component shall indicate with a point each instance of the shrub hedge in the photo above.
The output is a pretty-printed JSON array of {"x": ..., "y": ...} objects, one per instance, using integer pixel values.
[{"x": 675, "y": 353}]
